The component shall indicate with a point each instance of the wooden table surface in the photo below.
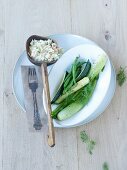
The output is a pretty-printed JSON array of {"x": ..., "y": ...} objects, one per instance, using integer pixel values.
[{"x": 103, "y": 21}]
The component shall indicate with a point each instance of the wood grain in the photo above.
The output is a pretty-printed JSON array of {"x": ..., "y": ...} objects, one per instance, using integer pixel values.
[
  {"x": 51, "y": 131},
  {"x": 2, "y": 45},
  {"x": 103, "y": 21}
]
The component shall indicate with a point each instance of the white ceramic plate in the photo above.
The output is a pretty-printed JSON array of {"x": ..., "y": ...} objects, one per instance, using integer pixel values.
[
  {"x": 67, "y": 41},
  {"x": 85, "y": 51}
]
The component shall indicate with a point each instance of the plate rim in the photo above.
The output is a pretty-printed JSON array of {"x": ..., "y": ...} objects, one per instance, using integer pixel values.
[{"x": 13, "y": 75}]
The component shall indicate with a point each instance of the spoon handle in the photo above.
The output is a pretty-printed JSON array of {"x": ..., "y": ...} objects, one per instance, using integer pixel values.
[{"x": 51, "y": 135}]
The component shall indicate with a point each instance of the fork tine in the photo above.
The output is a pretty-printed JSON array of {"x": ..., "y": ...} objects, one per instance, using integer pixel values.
[
  {"x": 32, "y": 76},
  {"x": 35, "y": 74},
  {"x": 29, "y": 75},
  {"x": 33, "y": 71},
  {"x": 29, "y": 71}
]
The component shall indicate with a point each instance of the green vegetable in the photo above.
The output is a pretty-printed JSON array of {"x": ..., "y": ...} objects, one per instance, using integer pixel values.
[
  {"x": 74, "y": 67},
  {"x": 80, "y": 63},
  {"x": 60, "y": 89},
  {"x": 74, "y": 102},
  {"x": 75, "y": 71},
  {"x": 78, "y": 70},
  {"x": 67, "y": 80},
  {"x": 97, "y": 67},
  {"x": 67, "y": 75},
  {"x": 69, "y": 111},
  {"x": 79, "y": 103},
  {"x": 90, "y": 144},
  {"x": 105, "y": 166},
  {"x": 85, "y": 71},
  {"x": 121, "y": 76},
  {"x": 58, "y": 109},
  {"x": 73, "y": 89},
  {"x": 70, "y": 84},
  {"x": 66, "y": 102}
]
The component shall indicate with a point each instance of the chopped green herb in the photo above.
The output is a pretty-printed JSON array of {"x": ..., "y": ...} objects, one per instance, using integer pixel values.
[
  {"x": 90, "y": 144},
  {"x": 121, "y": 76},
  {"x": 105, "y": 166}
]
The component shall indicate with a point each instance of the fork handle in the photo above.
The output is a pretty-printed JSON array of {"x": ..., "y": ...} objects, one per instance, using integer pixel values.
[
  {"x": 51, "y": 132},
  {"x": 37, "y": 121}
]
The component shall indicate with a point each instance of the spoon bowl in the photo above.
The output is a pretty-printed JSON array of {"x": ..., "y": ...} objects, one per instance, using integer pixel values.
[{"x": 37, "y": 37}]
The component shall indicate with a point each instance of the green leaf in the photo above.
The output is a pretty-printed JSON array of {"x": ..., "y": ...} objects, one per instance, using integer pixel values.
[
  {"x": 121, "y": 76},
  {"x": 105, "y": 166},
  {"x": 90, "y": 144}
]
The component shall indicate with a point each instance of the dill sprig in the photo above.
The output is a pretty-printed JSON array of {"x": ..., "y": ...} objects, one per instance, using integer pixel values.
[
  {"x": 105, "y": 166},
  {"x": 90, "y": 144},
  {"x": 121, "y": 76}
]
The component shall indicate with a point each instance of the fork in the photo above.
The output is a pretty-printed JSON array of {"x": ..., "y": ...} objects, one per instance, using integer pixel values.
[{"x": 33, "y": 85}]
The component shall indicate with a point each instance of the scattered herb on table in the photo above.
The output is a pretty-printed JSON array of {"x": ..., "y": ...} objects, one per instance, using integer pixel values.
[
  {"x": 105, "y": 166},
  {"x": 90, "y": 144},
  {"x": 121, "y": 76}
]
